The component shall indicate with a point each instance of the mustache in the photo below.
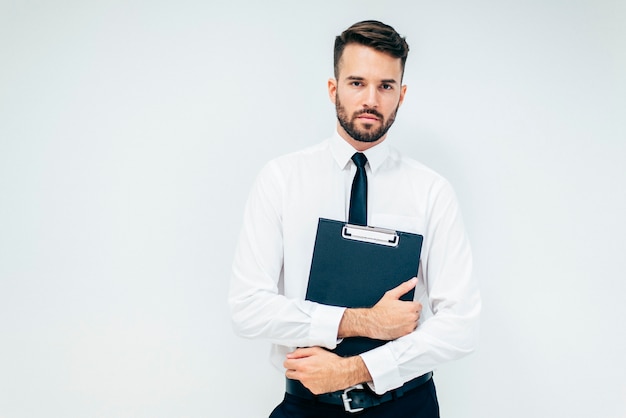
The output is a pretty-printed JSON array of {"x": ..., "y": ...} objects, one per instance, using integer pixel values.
[{"x": 369, "y": 111}]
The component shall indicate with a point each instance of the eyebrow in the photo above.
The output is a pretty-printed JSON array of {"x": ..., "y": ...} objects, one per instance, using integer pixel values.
[{"x": 357, "y": 78}]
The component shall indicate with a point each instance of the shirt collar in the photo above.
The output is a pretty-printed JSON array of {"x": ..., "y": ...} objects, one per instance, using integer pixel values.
[{"x": 342, "y": 153}]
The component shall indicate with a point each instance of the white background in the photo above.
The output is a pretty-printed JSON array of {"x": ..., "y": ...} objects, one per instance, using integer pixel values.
[{"x": 130, "y": 134}]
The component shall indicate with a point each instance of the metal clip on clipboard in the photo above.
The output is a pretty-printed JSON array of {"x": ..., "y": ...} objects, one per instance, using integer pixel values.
[{"x": 371, "y": 234}]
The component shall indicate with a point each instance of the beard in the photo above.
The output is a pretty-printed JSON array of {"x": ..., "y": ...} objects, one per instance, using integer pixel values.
[{"x": 367, "y": 133}]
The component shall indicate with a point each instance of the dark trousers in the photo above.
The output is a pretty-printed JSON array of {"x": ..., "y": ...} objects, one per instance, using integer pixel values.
[{"x": 420, "y": 402}]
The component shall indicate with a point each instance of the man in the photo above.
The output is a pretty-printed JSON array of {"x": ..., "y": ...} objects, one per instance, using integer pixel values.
[{"x": 273, "y": 258}]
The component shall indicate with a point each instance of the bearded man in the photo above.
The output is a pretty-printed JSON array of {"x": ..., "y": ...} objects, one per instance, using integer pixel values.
[{"x": 273, "y": 258}]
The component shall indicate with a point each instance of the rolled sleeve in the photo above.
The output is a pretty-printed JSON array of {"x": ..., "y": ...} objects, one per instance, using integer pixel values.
[
  {"x": 325, "y": 326},
  {"x": 382, "y": 366}
]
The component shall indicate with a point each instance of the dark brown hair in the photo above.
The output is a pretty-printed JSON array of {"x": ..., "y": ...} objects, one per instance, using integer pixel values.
[{"x": 374, "y": 34}]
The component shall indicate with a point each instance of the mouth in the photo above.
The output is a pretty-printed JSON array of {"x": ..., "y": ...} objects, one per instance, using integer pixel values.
[{"x": 368, "y": 117}]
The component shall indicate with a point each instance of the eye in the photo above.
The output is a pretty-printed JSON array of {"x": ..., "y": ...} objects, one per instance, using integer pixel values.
[
  {"x": 356, "y": 83},
  {"x": 387, "y": 86}
]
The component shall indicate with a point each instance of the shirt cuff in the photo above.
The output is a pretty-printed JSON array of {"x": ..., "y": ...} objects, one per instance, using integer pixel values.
[
  {"x": 325, "y": 326},
  {"x": 382, "y": 366}
]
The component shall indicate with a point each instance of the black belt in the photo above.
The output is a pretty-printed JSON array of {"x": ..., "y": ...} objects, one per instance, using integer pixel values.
[{"x": 355, "y": 398}]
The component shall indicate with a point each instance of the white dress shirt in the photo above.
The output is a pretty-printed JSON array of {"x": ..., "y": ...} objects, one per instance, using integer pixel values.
[{"x": 273, "y": 257}]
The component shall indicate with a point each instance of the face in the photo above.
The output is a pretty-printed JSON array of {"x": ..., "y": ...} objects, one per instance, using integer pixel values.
[{"x": 367, "y": 95}]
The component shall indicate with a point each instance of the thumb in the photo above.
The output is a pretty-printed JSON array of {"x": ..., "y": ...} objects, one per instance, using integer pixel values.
[{"x": 402, "y": 288}]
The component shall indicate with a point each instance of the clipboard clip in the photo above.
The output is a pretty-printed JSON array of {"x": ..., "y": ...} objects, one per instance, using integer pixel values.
[{"x": 371, "y": 234}]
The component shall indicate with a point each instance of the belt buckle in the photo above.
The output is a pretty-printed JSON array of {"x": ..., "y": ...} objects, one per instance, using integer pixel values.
[{"x": 347, "y": 400}]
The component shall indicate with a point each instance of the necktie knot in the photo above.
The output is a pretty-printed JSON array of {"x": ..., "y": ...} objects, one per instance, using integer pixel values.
[{"x": 359, "y": 159}]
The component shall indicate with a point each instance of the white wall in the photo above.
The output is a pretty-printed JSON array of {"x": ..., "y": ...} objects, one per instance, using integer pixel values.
[{"x": 130, "y": 133}]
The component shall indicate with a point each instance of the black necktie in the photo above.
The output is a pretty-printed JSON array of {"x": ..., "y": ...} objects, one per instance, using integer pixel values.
[{"x": 358, "y": 198}]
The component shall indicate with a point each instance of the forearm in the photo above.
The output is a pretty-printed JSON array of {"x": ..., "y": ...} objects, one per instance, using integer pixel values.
[
  {"x": 354, "y": 323},
  {"x": 356, "y": 371},
  {"x": 389, "y": 319}
]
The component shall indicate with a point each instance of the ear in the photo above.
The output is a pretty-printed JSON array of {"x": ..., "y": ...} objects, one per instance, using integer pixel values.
[
  {"x": 332, "y": 90},
  {"x": 402, "y": 93}
]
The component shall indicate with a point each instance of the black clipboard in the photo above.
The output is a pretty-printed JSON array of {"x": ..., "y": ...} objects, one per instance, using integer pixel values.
[{"x": 353, "y": 266}]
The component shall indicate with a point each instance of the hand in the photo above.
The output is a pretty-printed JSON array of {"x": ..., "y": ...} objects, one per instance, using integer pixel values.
[
  {"x": 394, "y": 317},
  {"x": 389, "y": 319},
  {"x": 322, "y": 371}
]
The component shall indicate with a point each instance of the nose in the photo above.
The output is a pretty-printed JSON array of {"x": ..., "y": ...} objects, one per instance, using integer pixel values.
[{"x": 371, "y": 97}]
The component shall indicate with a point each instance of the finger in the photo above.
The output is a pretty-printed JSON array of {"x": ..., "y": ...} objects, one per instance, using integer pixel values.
[
  {"x": 402, "y": 288},
  {"x": 291, "y": 364},
  {"x": 301, "y": 353},
  {"x": 291, "y": 374}
]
